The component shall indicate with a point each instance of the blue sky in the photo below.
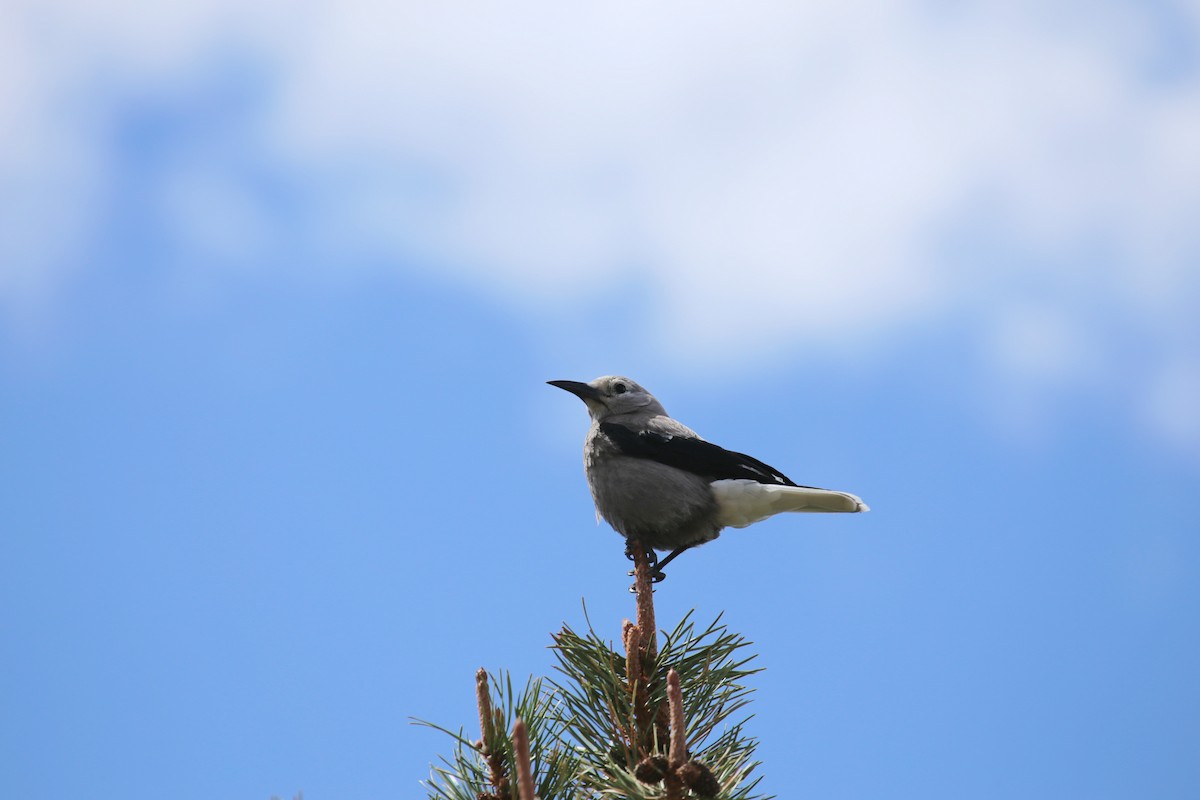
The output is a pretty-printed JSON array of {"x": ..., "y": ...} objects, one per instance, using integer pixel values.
[{"x": 280, "y": 289}]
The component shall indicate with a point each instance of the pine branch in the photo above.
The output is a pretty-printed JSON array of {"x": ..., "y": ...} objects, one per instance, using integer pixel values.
[
  {"x": 600, "y": 710},
  {"x": 482, "y": 769},
  {"x": 652, "y": 724}
]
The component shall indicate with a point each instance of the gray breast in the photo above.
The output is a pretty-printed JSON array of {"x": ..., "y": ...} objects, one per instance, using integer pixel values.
[{"x": 663, "y": 506}]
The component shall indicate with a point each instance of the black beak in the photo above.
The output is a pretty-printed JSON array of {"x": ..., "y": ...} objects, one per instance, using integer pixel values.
[{"x": 580, "y": 390}]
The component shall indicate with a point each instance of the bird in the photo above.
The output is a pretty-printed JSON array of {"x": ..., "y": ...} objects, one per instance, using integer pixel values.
[{"x": 658, "y": 483}]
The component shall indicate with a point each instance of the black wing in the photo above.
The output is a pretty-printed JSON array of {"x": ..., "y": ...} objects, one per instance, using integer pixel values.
[{"x": 693, "y": 455}]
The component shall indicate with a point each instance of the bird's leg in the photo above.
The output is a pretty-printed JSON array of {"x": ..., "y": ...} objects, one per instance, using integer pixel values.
[{"x": 657, "y": 573}]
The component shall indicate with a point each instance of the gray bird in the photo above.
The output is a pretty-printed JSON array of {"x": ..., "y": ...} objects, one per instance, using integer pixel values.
[{"x": 656, "y": 481}]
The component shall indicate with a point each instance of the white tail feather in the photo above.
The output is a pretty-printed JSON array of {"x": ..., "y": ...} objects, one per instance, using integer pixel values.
[{"x": 744, "y": 502}]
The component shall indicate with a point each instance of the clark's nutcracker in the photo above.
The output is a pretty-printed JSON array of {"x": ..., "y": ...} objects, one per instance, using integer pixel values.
[{"x": 655, "y": 480}]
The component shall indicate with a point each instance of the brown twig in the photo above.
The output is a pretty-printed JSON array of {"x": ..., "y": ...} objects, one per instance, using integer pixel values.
[
  {"x": 520, "y": 738},
  {"x": 647, "y": 634},
  {"x": 640, "y": 737},
  {"x": 644, "y": 587}
]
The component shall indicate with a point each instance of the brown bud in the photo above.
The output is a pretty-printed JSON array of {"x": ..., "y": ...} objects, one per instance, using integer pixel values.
[
  {"x": 520, "y": 739},
  {"x": 651, "y": 769},
  {"x": 483, "y": 698},
  {"x": 699, "y": 779},
  {"x": 679, "y": 752}
]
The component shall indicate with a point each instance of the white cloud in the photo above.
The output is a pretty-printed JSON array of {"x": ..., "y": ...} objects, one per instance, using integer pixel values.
[
  {"x": 808, "y": 167},
  {"x": 1041, "y": 344}
]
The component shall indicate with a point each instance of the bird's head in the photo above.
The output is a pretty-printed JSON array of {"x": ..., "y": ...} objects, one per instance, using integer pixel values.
[{"x": 612, "y": 396}]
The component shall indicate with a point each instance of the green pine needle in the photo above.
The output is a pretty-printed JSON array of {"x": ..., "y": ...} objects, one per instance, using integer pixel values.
[{"x": 581, "y": 725}]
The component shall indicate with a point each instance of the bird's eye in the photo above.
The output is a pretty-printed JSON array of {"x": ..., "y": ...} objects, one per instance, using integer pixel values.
[{"x": 620, "y": 388}]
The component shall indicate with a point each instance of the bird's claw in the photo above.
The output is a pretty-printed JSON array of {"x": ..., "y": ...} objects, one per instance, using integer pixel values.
[{"x": 657, "y": 576}]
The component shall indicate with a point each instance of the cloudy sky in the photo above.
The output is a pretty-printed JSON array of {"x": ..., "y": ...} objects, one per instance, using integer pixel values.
[{"x": 280, "y": 285}]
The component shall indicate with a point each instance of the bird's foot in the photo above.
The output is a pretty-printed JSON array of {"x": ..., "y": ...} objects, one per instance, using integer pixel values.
[
  {"x": 656, "y": 574},
  {"x": 632, "y": 556}
]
